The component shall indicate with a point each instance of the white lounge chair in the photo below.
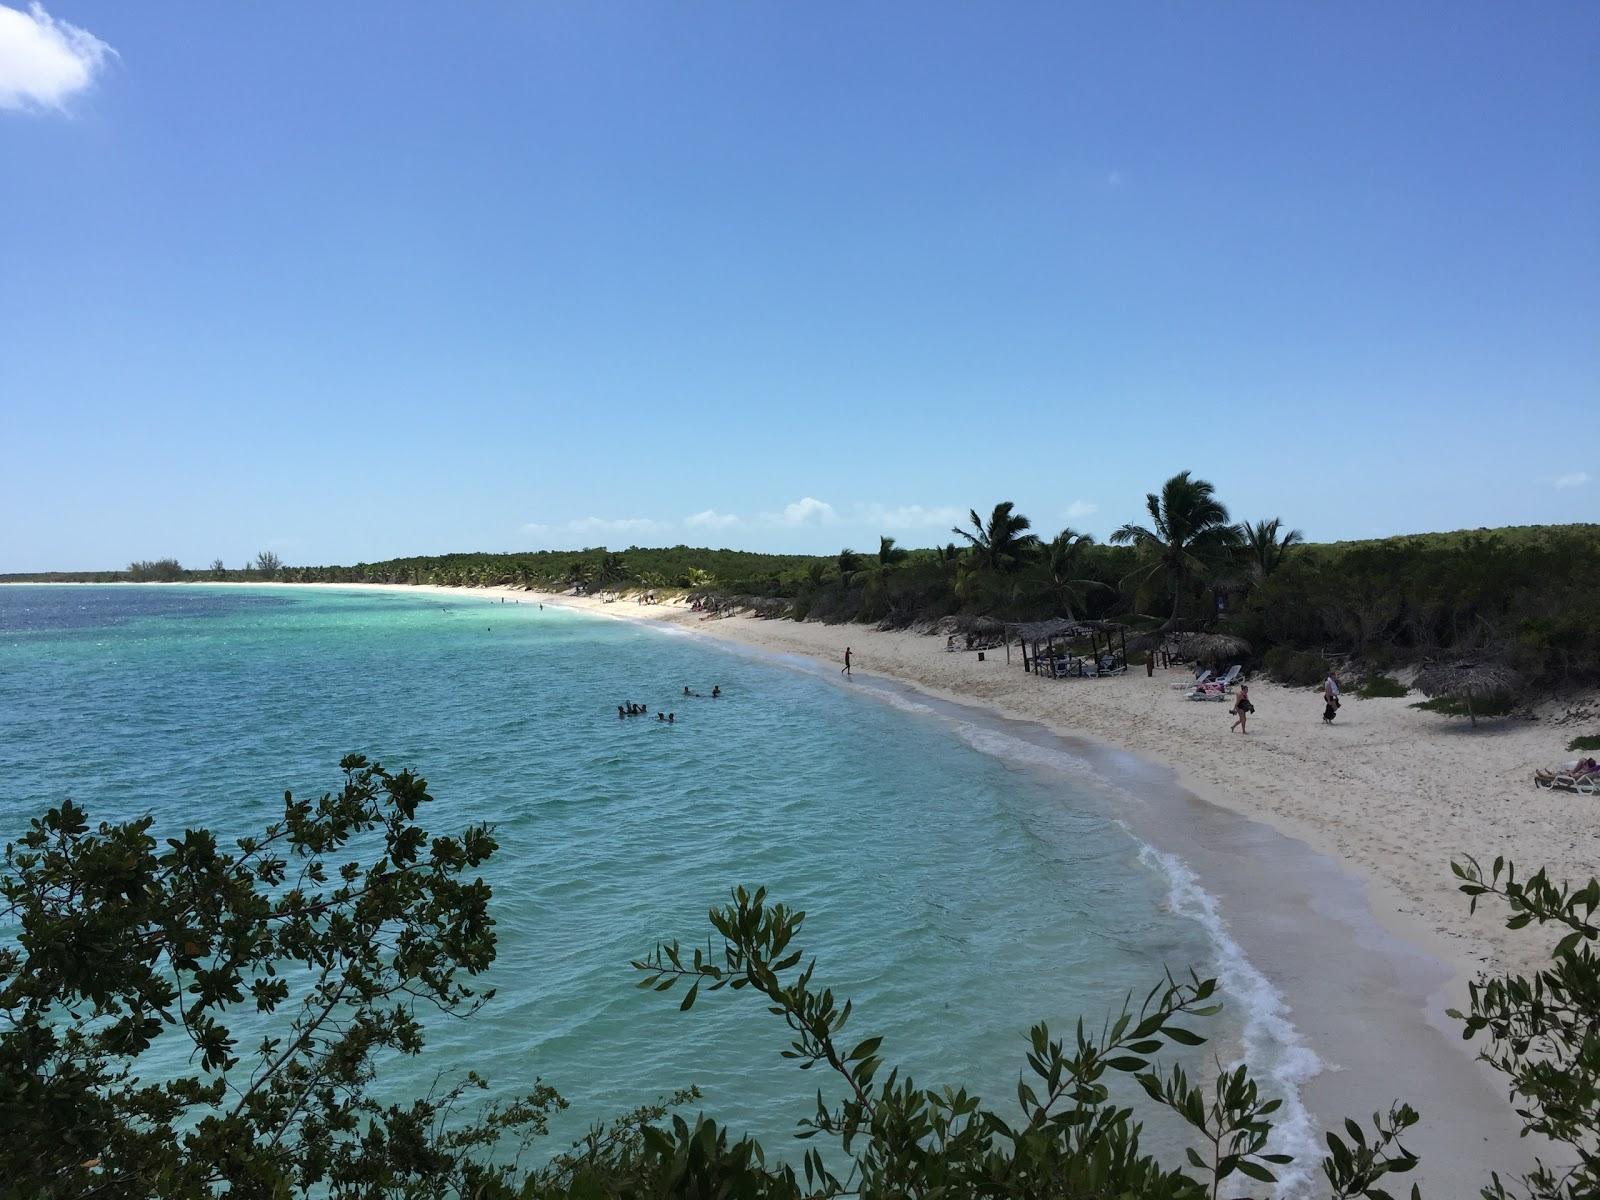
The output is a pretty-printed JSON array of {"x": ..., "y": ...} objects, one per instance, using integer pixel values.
[
  {"x": 1218, "y": 689},
  {"x": 1195, "y": 682},
  {"x": 1568, "y": 778}
]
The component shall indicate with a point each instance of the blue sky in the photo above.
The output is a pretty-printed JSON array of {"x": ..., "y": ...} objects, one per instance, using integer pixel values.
[{"x": 356, "y": 280}]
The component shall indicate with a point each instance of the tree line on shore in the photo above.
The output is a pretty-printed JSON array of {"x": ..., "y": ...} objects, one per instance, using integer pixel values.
[{"x": 1527, "y": 596}]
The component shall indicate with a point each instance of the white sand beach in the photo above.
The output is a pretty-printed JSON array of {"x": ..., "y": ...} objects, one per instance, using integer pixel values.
[{"x": 1392, "y": 792}]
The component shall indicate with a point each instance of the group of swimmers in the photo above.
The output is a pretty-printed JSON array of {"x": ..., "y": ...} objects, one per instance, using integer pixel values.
[{"x": 624, "y": 711}]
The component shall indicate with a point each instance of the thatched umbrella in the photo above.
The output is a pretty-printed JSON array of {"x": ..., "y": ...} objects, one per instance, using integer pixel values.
[
  {"x": 1214, "y": 647},
  {"x": 1464, "y": 680}
]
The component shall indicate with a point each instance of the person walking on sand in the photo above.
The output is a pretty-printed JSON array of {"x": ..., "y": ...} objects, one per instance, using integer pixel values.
[
  {"x": 1330, "y": 698},
  {"x": 1241, "y": 709},
  {"x": 846, "y": 669}
]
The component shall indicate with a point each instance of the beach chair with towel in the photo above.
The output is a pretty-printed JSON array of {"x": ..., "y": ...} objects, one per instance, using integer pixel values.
[
  {"x": 1199, "y": 679},
  {"x": 1217, "y": 690}
]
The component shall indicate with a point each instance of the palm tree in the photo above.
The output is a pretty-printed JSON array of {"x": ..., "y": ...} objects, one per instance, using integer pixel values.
[
  {"x": 889, "y": 554},
  {"x": 1264, "y": 549},
  {"x": 1002, "y": 543},
  {"x": 581, "y": 573},
  {"x": 876, "y": 574},
  {"x": 1188, "y": 536},
  {"x": 848, "y": 562},
  {"x": 1061, "y": 570}
]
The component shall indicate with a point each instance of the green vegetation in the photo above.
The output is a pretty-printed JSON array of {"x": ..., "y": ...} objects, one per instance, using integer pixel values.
[
  {"x": 1296, "y": 668},
  {"x": 1449, "y": 706},
  {"x": 122, "y": 938},
  {"x": 160, "y": 570},
  {"x": 1584, "y": 743},
  {"x": 1525, "y": 597},
  {"x": 1380, "y": 686}
]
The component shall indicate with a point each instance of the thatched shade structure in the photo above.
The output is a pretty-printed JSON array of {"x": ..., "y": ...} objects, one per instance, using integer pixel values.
[
  {"x": 1464, "y": 680},
  {"x": 985, "y": 625},
  {"x": 1142, "y": 643},
  {"x": 1040, "y": 655},
  {"x": 1213, "y": 648}
]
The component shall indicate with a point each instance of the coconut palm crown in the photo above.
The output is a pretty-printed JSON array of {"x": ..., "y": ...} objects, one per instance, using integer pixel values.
[
  {"x": 1002, "y": 542},
  {"x": 1264, "y": 549},
  {"x": 1062, "y": 572},
  {"x": 1188, "y": 535}
]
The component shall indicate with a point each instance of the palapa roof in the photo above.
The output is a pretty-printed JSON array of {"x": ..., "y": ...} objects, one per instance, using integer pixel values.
[
  {"x": 1210, "y": 647},
  {"x": 1468, "y": 679},
  {"x": 1043, "y": 631}
]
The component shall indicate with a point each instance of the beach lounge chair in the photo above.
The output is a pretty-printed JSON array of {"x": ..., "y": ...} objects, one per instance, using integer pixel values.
[
  {"x": 1218, "y": 689},
  {"x": 1202, "y": 677},
  {"x": 1569, "y": 779}
]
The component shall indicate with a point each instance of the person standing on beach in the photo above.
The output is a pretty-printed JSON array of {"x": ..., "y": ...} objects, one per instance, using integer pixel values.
[
  {"x": 1330, "y": 698},
  {"x": 1242, "y": 708},
  {"x": 846, "y": 671}
]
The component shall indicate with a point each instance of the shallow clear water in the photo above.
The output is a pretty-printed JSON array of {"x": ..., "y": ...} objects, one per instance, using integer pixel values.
[{"x": 957, "y": 895}]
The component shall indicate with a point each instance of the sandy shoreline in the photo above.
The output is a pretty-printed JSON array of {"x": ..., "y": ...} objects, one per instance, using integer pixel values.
[
  {"x": 1391, "y": 792},
  {"x": 1341, "y": 861}
]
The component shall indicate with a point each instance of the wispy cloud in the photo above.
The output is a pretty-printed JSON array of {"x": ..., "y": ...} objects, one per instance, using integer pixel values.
[
  {"x": 711, "y": 519},
  {"x": 45, "y": 62},
  {"x": 907, "y": 516},
  {"x": 1114, "y": 179},
  {"x": 1572, "y": 480},
  {"x": 589, "y": 526},
  {"x": 1079, "y": 509},
  {"x": 808, "y": 510}
]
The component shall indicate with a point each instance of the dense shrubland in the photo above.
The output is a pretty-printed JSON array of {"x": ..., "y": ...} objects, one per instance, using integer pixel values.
[
  {"x": 1528, "y": 597},
  {"x": 337, "y": 928}
]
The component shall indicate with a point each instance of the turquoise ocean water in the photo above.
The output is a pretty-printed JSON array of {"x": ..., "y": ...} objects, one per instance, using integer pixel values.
[{"x": 957, "y": 895}]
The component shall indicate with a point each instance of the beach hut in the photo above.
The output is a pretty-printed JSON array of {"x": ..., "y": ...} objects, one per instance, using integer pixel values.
[
  {"x": 1465, "y": 681},
  {"x": 1047, "y": 647},
  {"x": 1215, "y": 648}
]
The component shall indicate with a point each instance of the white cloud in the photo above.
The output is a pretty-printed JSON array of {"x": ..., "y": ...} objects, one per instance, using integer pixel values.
[
  {"x": 1114, "y": 179},
  {"x": 908, "y": 516},
  {"x": 808, "y": 510},
  {"x": 1575, "y": 479},
  {"x": 1079, "y": 509},
  {"x": 602, "y": 525},
  {"x": 45, "y": 62},
  {"x": 711, "y": 519}
]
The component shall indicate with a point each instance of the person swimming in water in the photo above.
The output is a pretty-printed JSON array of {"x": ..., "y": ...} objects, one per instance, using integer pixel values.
[{"x": 716, "y": 692}]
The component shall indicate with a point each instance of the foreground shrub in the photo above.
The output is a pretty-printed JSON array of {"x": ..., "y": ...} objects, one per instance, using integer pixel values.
[
  {"x": 1584, "y": 743},
  {"x": 121, "y": 940}
]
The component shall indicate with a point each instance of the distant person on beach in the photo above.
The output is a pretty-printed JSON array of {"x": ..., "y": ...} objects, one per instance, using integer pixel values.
[
  {"x": 845, "y": 671},
  {"x": 1241, "y": 709},
  {"x": 1330, "y": 698}
]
